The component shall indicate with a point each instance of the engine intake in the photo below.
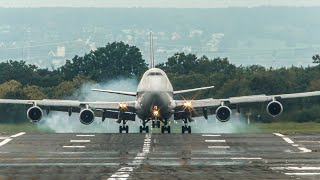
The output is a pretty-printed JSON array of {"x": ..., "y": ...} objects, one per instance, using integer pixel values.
[
  {"x": 274, "y": 108},
  {"x": 34, "y": 114},
  {"x": 86, "y": 116},
  {"x": 223, "y": 113}
]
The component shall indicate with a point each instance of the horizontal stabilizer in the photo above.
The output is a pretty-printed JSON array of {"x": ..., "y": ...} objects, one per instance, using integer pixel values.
[
  {"x": 116, "y": 92},
  {"x": 191, "y": 90}
]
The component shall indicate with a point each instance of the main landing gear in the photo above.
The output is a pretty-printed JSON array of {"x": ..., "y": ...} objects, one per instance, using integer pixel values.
[
  {"x": 165, "y": 127},
  {"x": 144, "y": 127},
  {"x": 186, "y": 127}
]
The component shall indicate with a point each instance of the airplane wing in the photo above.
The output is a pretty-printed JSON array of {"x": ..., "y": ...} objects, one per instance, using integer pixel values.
[
  {"x": 206, "y": 107},
  {"x": 100, "y": 109},
  {"x": 116, "y": 92},
  {"x": 192, "y": 90}
]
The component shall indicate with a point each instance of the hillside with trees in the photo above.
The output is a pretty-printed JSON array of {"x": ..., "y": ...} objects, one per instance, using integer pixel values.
[{"x": 119, "y": 60}]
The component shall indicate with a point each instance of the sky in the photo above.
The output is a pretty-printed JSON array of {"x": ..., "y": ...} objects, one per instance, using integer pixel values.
[{"x": 158, "y": 3}]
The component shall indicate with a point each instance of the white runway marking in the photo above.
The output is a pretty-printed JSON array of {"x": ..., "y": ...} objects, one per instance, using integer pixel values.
[
  {"x": 246, "y": 158},
  {"x": 303, "y": 174},
  {"x": 79, "y": 141},
  {"x": 295, "y": 168},
  {"x": 218, "y": 147},
  {"x": 19, "y": 134},
  {"x": 124, "y": 172},
  {"x": 215, "y": 140},
  {"x": 288, "y": 140},
  {"x": 211, "y": 135},
  {"x": 74, "y": 146},
  {"x": 85, "y": 135},
  {"x": 5, "y": 142},
  {"x": 229, "y": 158},
  {"x": 57, "y": 164}
]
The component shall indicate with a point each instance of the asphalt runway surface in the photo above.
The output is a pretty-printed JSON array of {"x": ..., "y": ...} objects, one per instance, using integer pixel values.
[{"x": 160, "y": 156}]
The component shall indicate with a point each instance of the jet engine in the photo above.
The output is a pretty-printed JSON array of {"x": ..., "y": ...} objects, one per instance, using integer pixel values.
[
  {"x": 274, "y": 108},
  {"x": 86, "y": 116},
  {"x": 223, "y": 113},
  {"x": 34, "y": 114}
]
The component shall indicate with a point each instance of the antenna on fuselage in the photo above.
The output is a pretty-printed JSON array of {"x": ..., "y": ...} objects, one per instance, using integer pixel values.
[{"x": 151, "y": 51}]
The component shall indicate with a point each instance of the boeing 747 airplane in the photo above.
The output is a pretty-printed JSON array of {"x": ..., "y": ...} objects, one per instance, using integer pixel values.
[{"x": 154, "y": 102}]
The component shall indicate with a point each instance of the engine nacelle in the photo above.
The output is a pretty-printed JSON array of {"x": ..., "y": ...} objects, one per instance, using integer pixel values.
[
  {"x": 86, "y": 116},
  {"x": 34, "y": 114},
  {"x": 223, "y": 113},
  {"x": 274, "y": 108}
]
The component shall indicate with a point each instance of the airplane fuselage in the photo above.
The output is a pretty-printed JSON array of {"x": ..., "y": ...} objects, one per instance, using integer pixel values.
[{"x": 155, "y": 96}]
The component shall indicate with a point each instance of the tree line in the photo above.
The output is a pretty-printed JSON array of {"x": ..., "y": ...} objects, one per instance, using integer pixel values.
[{"x": 19, "y": 80}]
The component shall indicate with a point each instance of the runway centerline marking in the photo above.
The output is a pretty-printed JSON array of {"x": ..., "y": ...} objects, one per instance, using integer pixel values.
[
  {"x": 124, "y": 172},
  {"x": 211, "y": 135},
  {"x": 303, "y": 174},
  {"x": 19, "y": 134},
  {"x": 215, "y": 140},
  {"x": 296, "y": 168},
  {"x": 74, "y": 146},
  {"x": 218, "y": 147},
  {"x": 85, "y": 135},
  {"x": 79, "y": 141},
  {"x": 5, "y": 142}
]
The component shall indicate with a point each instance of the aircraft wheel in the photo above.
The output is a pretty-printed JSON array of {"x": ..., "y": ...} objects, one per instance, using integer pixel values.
[
  {"x": 147, "y": 129},
  {"x": 120, "y": 129},
  {"x": 127, "y": 129},
  {"x": 169, "y": 129},
  {"x": 140, "y": 129},
  {"x": 162, "y": 129},
  {"x": 189, "y": 129},
  {"x": 182, "y": 129},
  {"x": 153, "y": 124},
  {"x": 158, "y": 124}
]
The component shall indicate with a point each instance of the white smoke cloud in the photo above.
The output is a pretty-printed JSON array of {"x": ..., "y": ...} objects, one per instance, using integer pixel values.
[{"x": 60, "y": 122}]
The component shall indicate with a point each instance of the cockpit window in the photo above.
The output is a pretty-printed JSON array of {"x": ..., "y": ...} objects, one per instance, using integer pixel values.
[{"x": 154, "y": 74}]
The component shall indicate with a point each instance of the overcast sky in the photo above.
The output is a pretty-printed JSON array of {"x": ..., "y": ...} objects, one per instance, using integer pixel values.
[{"x": 157, "y": 3}]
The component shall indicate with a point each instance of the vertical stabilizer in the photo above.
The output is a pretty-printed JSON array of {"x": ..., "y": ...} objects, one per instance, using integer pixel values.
[{"x": 151, "y": 51}]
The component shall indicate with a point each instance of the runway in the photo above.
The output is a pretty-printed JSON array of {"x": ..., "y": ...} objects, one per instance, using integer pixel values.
[{"x": 160, "y": 156}]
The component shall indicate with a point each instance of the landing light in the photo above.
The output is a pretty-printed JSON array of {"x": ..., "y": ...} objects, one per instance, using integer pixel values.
[
  {"x": 123, "y": 106},
  {"x": 188, "y": 105},
  {"x": 155, "y": 113}
]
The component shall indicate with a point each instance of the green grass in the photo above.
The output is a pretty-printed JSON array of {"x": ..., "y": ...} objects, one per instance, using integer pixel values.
[
  {"x": 287, "y": 127},
  {"x": 23, "y": 127}
]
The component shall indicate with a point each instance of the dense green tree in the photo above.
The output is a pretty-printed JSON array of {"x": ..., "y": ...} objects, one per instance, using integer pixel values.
[{"x": 114, "y": 60}]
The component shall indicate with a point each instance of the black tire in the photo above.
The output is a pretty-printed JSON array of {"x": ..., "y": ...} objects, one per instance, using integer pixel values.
[
  {"x": 153, "y": 124},
  {"x": 147, "y": 129},
  {"x": 120, "y": 129},
  {"x": 127, "y": 129},
  {"x": 182, "y": 129},
  {"x": 140, "y": 129},
  {"x": 158, "y": 124},
  {"x": 169, "y": 129},
  {"x": 162, "y": 129},
  {"x": 189, "y": 129}
]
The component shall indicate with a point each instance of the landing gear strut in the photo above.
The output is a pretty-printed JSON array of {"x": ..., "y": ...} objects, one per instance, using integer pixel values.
[
  {"x": 144, "y": 127},
  {"x": 124, "y": 127},
  {"x": 186, "y": 127},
  {"x": 155, "y": 123},
  {"x": 165, "y": 127}
]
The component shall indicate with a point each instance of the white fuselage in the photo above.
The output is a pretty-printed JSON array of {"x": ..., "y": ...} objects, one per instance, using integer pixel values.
[{"x": 154, "y": 91}]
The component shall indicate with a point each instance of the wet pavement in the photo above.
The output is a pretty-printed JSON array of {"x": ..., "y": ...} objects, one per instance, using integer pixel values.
[{"x": 160, "y": 156}]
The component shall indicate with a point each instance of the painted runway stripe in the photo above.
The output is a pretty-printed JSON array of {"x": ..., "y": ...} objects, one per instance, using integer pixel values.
[
  {"x": 79, "y": 141},
  {"x": 294, "y": 168},
  {"x": 5, "y": 142},
  {"x": 19, "y": 134},
  {"x": 303, "y": 174},
  {"x": 215, "y": 140},
  {"x": 58, "y": 164},
  {"x": 303, "y": 149},
  {"x": 74, "y": 146},
  {"x": 228, "y": 158},
  {"x": 86, "y": 135},
  {"x": 278, "y": 134},
  {"x": 246, "y": 158},
  {"x": 218, "y": 147},
  {"x": 211, "y": 135},
  {"x": 288, "y": 140}
]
